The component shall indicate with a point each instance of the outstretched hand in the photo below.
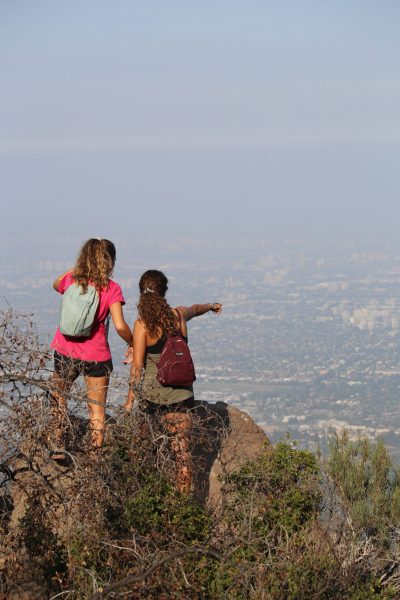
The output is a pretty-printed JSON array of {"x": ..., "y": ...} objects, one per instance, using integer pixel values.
[{"x": 216, "y": 308}]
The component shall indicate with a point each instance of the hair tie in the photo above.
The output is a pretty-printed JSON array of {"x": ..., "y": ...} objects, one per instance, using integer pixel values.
[{"x": 148, "y": 291}]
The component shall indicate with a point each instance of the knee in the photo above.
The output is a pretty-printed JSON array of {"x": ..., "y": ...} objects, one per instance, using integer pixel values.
[{"x": 180, "y": 444}]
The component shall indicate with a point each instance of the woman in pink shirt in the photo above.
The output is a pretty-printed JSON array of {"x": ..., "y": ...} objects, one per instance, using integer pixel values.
[{"x": 89, "y": 356}]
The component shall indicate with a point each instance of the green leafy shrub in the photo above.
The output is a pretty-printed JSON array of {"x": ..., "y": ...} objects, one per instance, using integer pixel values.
[
  {"x": 158, "y": 509},
  {"x": 280, "y": 488},
  {"x": 367, "y": 482}
]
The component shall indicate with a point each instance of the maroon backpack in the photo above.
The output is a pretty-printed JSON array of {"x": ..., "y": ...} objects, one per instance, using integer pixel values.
[{"x": 175, "y": 366}]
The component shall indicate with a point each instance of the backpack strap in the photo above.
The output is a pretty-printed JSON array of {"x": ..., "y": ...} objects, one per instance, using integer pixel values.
[
  {"x": 179, "y": 332},
  {"x": 180, "y": 321}
]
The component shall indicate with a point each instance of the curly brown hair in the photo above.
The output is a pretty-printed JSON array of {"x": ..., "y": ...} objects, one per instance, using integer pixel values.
[
  {"x": 154, "y": 310},
  {"x": 95, "y": 263}
]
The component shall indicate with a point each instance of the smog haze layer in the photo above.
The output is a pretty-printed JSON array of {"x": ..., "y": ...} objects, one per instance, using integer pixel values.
[{"x": 277, "y": 118}]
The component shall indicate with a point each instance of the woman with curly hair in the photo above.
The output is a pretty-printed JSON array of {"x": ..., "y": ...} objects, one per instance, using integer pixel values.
[
  {"x": 155, "y": 323},
  {"x": 89, "y": 356}
]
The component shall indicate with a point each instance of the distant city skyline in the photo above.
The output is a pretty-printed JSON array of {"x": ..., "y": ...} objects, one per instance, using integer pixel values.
[
  {"x": 226, "y": 118},
  {"x": 318, "y": 324}
]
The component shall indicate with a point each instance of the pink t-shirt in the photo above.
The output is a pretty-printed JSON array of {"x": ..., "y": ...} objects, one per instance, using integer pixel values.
[{"x": 96, "y": 346}]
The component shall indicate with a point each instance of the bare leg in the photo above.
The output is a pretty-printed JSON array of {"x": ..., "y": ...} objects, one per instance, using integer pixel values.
[
  {"x": 59, "y": 388},
  {"x": 179, "y": 425},
  {"x": 97, "y": 388}
]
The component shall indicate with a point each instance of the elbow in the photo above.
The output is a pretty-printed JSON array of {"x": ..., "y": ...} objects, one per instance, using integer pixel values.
[
  {"x": 198, "y": 310},
  {"x": 121, "y": 327},
  {"x": 124, "y": 332}
]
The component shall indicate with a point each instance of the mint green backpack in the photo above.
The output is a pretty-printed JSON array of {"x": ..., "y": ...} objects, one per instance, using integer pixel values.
[{"x": 78, "y": 310}]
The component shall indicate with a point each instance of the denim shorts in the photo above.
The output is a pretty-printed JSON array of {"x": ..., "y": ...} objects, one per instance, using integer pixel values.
[{"x": 70, "y": 368}]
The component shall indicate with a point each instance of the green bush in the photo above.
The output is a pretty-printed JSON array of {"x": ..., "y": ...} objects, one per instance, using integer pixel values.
[
  {"x": 158, "y": 509},
  {"x": 367, "y": 482},
  {"x": 280, "y": 488}
]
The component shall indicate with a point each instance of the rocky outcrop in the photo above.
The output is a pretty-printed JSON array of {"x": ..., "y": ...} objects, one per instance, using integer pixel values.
[
  {"x": 224, "y": 438},
  {"x": 243, "y": 441}
]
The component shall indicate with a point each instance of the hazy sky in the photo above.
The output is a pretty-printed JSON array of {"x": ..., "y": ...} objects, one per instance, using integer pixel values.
[{"x": 203, "y": 117}]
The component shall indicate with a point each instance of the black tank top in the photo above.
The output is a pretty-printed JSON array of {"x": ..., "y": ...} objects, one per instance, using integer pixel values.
[{"x": 158, "y": 347}]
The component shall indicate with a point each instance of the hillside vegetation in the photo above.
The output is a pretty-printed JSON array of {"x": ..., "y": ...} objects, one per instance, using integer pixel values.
[{"x": 290, "y": 525}]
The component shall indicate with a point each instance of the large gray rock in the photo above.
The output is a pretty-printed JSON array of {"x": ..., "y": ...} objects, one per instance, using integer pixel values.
[{"x": 230, "y": 438}]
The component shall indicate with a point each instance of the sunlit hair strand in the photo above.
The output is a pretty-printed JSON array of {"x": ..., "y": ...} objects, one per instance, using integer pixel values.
[
  {"x": 154, "y": 310},
  {"x": 95, "y": 263}
]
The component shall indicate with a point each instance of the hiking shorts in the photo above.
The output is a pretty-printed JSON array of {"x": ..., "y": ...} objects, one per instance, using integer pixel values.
[
  {"x": 70, "y": 368},
  {"x": 152, "y": 408}
]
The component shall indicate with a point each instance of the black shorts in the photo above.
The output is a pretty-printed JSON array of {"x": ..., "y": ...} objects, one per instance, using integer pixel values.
[
  {"x": 70, "y": 368},
  {"x": 152, "y": 408}
]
